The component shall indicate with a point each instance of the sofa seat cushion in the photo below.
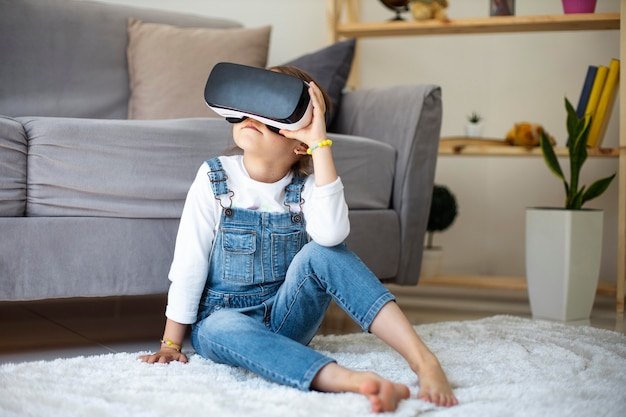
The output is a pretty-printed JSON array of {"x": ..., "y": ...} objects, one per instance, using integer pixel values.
[
  {"x": 115, "y": 258},
  {"x": 375, "y": 237},
  {"x": 367, "y": 168},
  {"x": 56, "y": 257},
  {"x": 143, "y": 169},
  {"x": 13, "y": 149},
  {"x": 117, "y": 168}
]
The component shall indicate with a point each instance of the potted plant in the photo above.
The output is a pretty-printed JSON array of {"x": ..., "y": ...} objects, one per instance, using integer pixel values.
[
  {"x": 474, "y": 127},
  {"x": 579, "y": 6},
  {"x": 563, "y": 246},
  {"x": 443, "y": 211}
]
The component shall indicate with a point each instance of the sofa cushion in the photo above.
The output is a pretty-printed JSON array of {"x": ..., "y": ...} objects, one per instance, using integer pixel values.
[
  {"x": 330, "y": 67},
  {"x": 67, "y": 58},
  {"x": 13, "y": 150},
  {"x": 143, "y": 169},
  {"x": 158, "y": 54},
  {"x": 168, "y": 66},
  {"x": 366, "y": 168},
  {"x": 115, "y": 255},
  {"x": 57, "y": 257},
  {"x": 375, "y": 236},
  {"x": 117, "y": 168}
]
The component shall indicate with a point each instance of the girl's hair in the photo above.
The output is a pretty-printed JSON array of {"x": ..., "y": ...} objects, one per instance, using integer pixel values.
[{"x": 303, "y": 166}]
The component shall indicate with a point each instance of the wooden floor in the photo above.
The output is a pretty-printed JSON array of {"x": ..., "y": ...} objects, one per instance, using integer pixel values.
[
  {"x": 430, "y": 304},
  {"x": 72, "y": 327}
]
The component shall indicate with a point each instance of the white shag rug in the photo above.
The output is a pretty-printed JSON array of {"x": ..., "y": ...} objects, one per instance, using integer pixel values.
[{"x": 499, "y": 366}]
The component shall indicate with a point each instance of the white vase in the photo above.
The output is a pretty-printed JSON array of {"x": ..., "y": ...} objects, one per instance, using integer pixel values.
[
  {"x": 474, "y": 130},
  {"x": 563, "y": 254},
  {"x": 431, "y": 262}
]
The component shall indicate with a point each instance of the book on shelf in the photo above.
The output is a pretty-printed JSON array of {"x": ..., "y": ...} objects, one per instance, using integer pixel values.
[
  {"x": 596, "y": 90},
  {"x": 586, "y": 91},
  {"x": 605, "y": 105}
]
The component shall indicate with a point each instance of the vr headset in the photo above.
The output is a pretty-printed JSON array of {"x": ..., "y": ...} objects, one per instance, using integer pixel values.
[{"x": 278, "y": 100}]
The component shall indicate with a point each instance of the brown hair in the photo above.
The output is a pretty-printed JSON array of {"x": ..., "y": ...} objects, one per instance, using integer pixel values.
[
  {"x": 298, "y": 73},
  {"x": 303, "y": 166}
]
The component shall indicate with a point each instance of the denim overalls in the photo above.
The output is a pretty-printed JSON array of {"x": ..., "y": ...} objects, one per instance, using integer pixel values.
[{"x": 268, "y": 289}]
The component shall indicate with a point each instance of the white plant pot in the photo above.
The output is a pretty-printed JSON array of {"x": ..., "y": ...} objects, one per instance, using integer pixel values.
[
  {"x": 431, "y": 262},
  {"x": 474, "y": 130},
  {"x": 563, "y": 254}
]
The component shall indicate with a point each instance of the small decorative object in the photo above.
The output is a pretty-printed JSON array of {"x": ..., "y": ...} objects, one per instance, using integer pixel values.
[
  {"x": 502, "y": 7},
  {"x": 564, "y": 246},
  {"x": 474, "y": 128},
  {"x": 443, "y": 211},
  {"x": 429, "y": 9},
  {"x": 527, "y": 134},
  {"x": 579, "y": 6},
  {"x": 397, "y": 6}
]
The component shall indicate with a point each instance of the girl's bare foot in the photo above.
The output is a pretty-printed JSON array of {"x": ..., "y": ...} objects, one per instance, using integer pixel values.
[
  {"x": 392, "y": 326},
  {"x": 434, "y": 386},
  {"x": 384, "y": 395}
]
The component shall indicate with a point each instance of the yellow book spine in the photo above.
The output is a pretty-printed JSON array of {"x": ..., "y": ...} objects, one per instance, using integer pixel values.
[
  {"x": 596, "y": 90},
  {"x": 605, "y": 105}
]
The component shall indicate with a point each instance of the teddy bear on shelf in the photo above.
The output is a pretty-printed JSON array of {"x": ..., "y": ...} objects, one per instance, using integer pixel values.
[
  {"x": 429, "y": 9},
  {"x": 527, "y": 134}
]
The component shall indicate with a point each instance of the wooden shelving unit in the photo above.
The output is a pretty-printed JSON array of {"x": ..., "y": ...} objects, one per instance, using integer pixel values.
[
  {"x": 351, "y": 27},
  {"x": 496, "y": 282},
  {"x": 502, "y": 24},
  {"x": 496, "y": 147}
]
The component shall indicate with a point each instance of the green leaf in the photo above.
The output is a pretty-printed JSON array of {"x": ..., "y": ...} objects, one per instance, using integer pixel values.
[
  {"x": 579, "y": 132},
  {"x": 597, "y": 189},
  {"x": 550, "y": 157},
  {"x": 572, "y": 122},
  {"x": 574, "y": 201}
]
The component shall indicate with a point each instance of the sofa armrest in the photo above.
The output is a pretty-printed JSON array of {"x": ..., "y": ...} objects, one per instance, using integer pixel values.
[{"x": 409, "y": 119}]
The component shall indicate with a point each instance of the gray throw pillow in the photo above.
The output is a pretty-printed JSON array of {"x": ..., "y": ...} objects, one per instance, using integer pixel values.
[{"x": 331, "y": 67}]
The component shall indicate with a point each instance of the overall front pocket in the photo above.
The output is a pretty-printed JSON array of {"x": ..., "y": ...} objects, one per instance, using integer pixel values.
[
  {"x": 285, "y": 246},
  {"x": 238, "y": 248}
]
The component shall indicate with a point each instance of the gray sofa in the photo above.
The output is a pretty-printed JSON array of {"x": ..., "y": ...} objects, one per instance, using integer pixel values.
[{"x": 90, "y": 201}]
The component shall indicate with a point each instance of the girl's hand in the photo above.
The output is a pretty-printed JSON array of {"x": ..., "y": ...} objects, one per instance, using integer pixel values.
[
  {"x": 312, "y": 135},
  {"x": 165, "y": 355},
  {"x": 315, "y": 132},
  {"x": 169, "y": 353}
]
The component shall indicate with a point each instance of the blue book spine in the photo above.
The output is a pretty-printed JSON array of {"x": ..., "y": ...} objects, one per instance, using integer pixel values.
[{"x": 586, "y": 91}]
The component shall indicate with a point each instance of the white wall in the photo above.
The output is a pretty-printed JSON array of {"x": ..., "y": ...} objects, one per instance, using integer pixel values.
[{"x": 506, "y": 77}]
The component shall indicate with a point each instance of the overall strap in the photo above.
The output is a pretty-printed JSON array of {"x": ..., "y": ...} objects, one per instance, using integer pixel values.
[
  {"x": 293, "y": 196},
  {"x": 218, "y": 178}
]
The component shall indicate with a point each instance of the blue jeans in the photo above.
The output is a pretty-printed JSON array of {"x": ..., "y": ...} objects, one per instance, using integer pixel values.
[{"x": 269, "y": 336}]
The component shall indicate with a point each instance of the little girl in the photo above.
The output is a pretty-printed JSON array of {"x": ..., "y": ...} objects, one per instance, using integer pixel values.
[{"x": 259, "y": 256}]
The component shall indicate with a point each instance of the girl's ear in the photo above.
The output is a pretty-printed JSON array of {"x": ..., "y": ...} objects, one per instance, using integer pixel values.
[{"x": 300, "y": 149}]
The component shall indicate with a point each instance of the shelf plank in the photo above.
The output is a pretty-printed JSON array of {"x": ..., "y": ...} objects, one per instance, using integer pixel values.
[
  {"x": 499, "y": 24},
  {"x": 476, "y": 281},
  {"x": 498, "y": 282},
  {"x": 461, "y": 145}
]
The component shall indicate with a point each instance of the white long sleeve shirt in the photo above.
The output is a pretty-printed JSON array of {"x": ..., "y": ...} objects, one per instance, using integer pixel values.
[{"x": 325, "y": 212}]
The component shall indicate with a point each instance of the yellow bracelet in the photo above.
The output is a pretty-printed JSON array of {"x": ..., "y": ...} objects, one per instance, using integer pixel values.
[
  {"x": 323, "y": 143},
  {"x": 169, "y": 343}
]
